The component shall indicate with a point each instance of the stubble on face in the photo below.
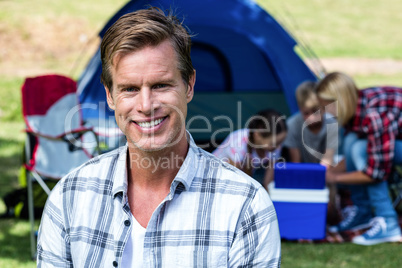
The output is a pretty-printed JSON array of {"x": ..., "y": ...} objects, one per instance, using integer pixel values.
[{"x": 157, "y": 92}]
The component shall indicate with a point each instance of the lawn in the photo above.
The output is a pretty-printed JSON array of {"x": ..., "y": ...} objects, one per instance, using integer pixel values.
[
  {"x": 344, "y": 28},
  {"x": 45, "y": 36}
]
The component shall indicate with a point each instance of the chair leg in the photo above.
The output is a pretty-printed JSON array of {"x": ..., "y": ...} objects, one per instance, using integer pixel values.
[
  {"x": 31, "y": 216},
  {"x": 31, "y": 212}
]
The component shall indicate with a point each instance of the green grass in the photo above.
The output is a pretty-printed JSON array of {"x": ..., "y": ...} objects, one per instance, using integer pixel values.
[
  {"x": 44, "y": 36},
  {"x": 344, "y": 28},
  {"x": 363, "y": 81},
  {"x": 94, "y": 13},
  {"x": 340, "y": 255},
  {"x": 10, "y": 99},
  {"x": 11, "y": 146},
  {"x": 15, "y": 244}
]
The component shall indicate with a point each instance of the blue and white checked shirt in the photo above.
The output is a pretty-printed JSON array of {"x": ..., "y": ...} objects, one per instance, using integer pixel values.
[{"x": 214, "y": 216}]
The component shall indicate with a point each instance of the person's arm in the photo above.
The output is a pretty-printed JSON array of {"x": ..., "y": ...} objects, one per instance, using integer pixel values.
[
  {"x": 338, "y": 174},
  {"x": 338, "y": 168},
  {"x": 380, "y": 145},
  {"x": 257, "y": 241},
  {"x": 53, "y": 241},
  {"x": 380, "y": 152},
  {"x": 294, "y": 155},
  {"x": 355, "y": 177},
  {"x": 328, "y": 158},
  {"x": 268, "y": 177},
  {"x": 293, "y": 138}
]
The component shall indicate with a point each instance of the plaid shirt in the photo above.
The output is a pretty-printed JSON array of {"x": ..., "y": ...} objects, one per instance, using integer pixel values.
[
  {"x": 378, "y": 118},
  {"x": 214, "y": 216}
]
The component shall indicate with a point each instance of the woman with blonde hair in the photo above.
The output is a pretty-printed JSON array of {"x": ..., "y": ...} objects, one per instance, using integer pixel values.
[{"x": 372, "y": 120}]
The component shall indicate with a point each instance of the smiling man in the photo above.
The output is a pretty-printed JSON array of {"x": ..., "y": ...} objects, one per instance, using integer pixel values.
[{"x": 158, "y": 201}]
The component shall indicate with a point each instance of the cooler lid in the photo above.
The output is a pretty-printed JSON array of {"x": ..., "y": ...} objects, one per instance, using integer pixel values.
[{"x": 298, "y": 195}]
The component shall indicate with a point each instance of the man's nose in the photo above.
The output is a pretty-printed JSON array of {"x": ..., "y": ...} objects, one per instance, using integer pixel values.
[{"x": 147, "y": 102}]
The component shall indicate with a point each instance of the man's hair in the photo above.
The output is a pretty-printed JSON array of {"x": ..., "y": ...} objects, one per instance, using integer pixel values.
[
  {"x": 140, "y": 29},
  {"x": 339, "y": 87},
  {"x": 306, "y": 96},
  {"x": 267, "y": 122}
]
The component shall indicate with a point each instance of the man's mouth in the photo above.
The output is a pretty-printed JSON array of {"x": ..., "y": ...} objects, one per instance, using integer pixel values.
[{"x": 150, "y": 124}]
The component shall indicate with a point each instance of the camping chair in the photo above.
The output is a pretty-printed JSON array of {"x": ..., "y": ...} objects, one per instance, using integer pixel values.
[{"x": 57, "y": 139}]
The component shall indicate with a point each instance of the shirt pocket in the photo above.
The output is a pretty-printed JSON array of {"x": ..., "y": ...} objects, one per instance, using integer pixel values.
[{"x": 206, "y": 258}]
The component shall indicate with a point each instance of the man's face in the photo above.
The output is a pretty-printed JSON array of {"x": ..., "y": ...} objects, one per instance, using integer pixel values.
[{"x": 150, "y": 98}]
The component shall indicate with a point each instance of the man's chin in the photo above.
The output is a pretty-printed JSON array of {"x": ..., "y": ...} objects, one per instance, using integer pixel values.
[{"x": 151, "y": 146}]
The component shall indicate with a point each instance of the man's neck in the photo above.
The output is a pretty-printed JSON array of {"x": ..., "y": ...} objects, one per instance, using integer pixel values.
[
  {"x": 149, "y": 178},
  {"x": 157, "y": 169}
]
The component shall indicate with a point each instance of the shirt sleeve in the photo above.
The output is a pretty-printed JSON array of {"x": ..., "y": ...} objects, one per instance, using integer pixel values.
[
  {"x": 233, "y": 148},
  {"x": 380, "y": 144},
  {"x": 257, "y": 240},
  {"x": 53, "y": 242}
]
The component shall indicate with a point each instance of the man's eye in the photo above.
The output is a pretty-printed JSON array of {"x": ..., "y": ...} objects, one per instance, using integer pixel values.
[
  {"x": 130, "y": 89},
  {"x": 160, "y": 86}
]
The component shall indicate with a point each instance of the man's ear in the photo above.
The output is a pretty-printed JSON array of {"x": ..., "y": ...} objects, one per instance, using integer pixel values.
[
  {"x": 109, "y": 99},
  {"x": 190, "y": 88}
]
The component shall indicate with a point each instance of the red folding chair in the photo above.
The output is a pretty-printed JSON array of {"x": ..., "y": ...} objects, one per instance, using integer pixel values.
[{"x": 57, "y": 139}]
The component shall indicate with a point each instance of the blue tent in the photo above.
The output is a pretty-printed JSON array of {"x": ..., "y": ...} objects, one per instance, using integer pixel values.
[{"x": 245, "y": 62}]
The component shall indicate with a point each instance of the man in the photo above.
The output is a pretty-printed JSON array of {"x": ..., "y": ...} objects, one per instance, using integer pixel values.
[{"x": 159, "y": 201}]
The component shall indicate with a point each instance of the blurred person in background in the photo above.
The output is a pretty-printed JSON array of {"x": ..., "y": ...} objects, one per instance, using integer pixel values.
[
  {"x": 313, "y": 138},
  {"x": 308, "y": 140},
  {"x": 255, "y": 149},
  {"x": 373, "y": 144}
]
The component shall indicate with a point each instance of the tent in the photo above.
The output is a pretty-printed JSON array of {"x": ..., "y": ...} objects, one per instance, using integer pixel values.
[{"x": 245, "y": 61}]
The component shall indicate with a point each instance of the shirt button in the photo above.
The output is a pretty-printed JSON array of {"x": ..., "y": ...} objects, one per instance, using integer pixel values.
[
  {"x": 127, "y": 223},
  {"x": 114, "y": 263}
]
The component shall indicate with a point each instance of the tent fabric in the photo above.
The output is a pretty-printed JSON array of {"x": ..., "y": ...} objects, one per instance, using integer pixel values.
[{"x": 238, "y": 48}]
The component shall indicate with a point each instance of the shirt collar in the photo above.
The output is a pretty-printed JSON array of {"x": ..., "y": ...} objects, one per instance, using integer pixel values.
[
  {"x": 185, "y": 175},
  {"x": 120, "y": 174},
  {"x": 189, "y": 167}
]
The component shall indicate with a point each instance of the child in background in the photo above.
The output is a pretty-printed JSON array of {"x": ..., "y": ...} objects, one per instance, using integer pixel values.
[
  {"x": 312, "y": 136},
  {"x": 255, "y": 149}
]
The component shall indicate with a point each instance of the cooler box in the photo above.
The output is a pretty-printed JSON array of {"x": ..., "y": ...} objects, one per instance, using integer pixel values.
[
  {"x": 301, "y": 207},
  {"x": 299, "y": 176}
]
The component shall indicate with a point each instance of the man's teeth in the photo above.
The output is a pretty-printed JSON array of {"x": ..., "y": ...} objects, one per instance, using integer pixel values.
[{"x": 150, "y": 124}]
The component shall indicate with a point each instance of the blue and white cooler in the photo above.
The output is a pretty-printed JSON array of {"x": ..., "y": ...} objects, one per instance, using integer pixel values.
[{"x": 300, "y": 199}]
